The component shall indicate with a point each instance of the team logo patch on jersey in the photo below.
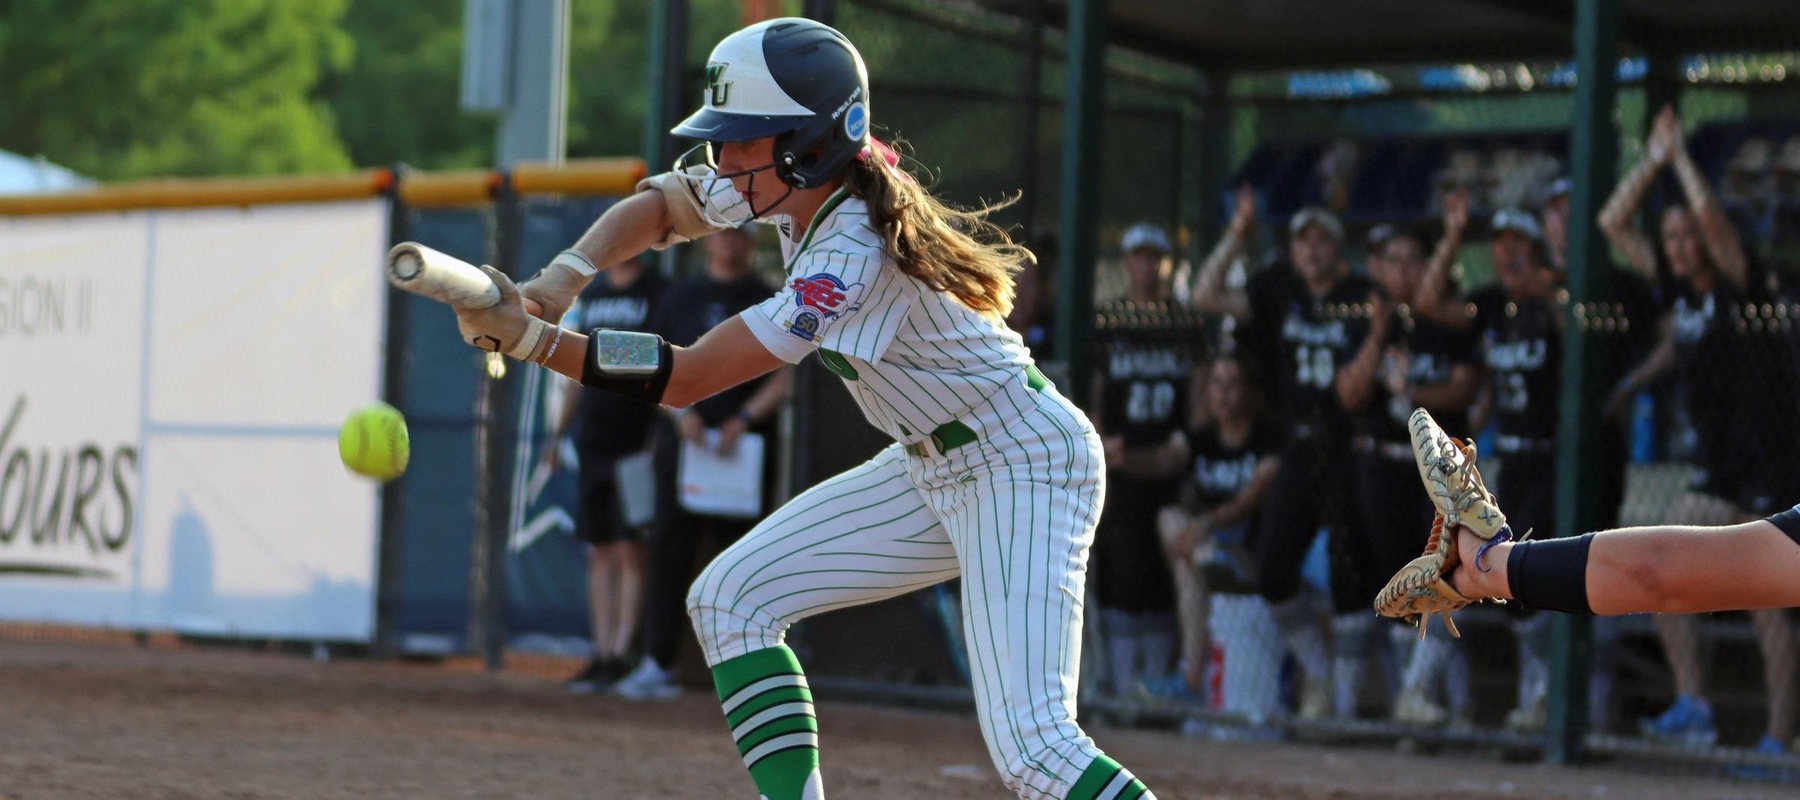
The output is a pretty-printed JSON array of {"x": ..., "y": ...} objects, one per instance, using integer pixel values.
[
  {"x": 827, "y": 293},
  {"x": 805, "y": 324}
]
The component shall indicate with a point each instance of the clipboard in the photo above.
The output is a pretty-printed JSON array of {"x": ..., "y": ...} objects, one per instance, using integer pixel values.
[{"x": 722, "y": 487}]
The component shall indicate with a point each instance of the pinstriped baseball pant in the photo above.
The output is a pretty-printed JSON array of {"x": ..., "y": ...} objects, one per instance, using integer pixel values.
[{"x": 1012, "y": 513}]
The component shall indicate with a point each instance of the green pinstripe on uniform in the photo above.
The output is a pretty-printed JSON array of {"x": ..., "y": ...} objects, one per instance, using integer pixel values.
[
  {"x": 920, "y": 357},
  {"x": 1013, "y": 513},
  {"x": 1051, "y": 720}
]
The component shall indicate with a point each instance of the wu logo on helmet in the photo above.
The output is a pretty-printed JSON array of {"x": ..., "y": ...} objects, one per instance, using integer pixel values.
[{"x": 718, "y": 89}]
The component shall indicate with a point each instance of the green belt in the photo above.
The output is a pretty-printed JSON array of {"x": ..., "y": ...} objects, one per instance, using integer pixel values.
[{"x": 952, "y": 435}]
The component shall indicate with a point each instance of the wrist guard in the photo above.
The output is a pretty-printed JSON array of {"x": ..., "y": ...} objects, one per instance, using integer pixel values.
[
  {"x": 536, "y": 333},
  {"x": 628, "y": 364}
]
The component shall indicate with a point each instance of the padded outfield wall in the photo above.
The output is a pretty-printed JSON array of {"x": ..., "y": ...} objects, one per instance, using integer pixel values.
[
  {"x": 174, "y": 380},
  {"x": 175, "y": 360}
]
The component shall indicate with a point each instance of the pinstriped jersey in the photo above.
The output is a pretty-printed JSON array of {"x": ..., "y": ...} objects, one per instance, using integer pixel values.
[{"x": 912, "y": 357}]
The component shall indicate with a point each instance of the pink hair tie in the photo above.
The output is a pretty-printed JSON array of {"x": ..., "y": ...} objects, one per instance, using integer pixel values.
[{"x": 887, "y": 153}]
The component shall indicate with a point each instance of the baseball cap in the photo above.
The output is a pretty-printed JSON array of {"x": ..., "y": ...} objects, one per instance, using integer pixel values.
[
  {"x": 1557, "y": 190},
  {"x": 1519, "y": 222},
  {"x": 1753, "y": 156},
  {"x": 1789, "y": 158},
  {"x": 1145, "y": 234},
  {"x": 1315, "y": 215},
  {"x": 1380, "y": 234}
]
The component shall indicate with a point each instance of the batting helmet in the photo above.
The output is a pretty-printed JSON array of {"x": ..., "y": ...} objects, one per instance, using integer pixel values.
[{"x": 794, "y": 79}]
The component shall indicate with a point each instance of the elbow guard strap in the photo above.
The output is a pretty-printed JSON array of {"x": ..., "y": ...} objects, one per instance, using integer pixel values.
[
  {"x": 687, "y": 211},
  {"x": 628, "y": 364},
  {"x": 1551, "y": 574}
]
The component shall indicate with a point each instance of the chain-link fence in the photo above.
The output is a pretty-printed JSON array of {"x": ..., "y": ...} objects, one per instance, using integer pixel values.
[
  {"x": 1692, "y": 348},
  {"x": 1263, "y": 487},
  {"x": 980, "y": 99}
]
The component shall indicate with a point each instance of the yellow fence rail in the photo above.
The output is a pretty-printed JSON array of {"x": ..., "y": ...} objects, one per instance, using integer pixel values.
[{"x": 599, "y": 176}]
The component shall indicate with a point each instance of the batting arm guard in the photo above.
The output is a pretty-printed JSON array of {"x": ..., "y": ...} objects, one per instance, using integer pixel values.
[
  {"x": 628, "y": 363},
  {"x": 687, "y": 213}
]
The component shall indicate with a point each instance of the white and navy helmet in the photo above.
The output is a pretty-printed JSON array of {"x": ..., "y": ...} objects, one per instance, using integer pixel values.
[{"x": 797, "y": 80}]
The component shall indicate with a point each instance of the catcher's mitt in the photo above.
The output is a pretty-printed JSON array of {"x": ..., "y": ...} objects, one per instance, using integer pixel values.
[{"x": 1447, "y": 467}]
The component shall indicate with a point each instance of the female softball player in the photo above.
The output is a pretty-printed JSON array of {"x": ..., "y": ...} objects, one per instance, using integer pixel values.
[
  {"x": 1519, "y": 321},
  {"x": 1421, "y": 363},
  {"x": 1748, "y": 457},
  {"x": 1308, "y": 318},
  {"x": 994, "y": 477}
]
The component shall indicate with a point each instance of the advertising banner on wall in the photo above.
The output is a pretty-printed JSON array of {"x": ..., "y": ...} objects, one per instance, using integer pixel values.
[{"x": 171, "y": 384}]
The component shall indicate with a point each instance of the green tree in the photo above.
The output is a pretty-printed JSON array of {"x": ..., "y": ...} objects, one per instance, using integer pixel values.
[
  {"x": 399, "y": 99},
  {"x": 609, "y": 68},
  {"x": 133, "y": 88}
]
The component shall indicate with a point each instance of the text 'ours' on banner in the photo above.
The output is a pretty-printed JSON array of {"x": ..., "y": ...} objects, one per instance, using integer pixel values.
[{"x": 172, "y": 387}]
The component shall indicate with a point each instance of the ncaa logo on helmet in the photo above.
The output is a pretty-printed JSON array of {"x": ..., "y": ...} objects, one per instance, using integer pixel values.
[{"x": 856, "y": 121}]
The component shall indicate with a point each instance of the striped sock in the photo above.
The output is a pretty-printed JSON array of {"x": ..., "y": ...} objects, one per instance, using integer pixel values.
[
  {"x": 1106, "y": 780},
  {"x": 770, "y": 711}
]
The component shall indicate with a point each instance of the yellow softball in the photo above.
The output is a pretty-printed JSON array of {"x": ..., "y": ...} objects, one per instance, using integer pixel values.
[{"x": 373, "y": 442}]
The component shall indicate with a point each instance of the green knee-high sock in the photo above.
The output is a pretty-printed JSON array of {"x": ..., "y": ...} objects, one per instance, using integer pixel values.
[
  {"x": 770, "y": 711},
  {"x": 1106, "y": 780}
]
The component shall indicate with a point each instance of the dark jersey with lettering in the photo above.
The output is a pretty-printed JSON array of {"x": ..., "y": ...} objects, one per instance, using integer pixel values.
[
  {"x": 1522, "y": 348},
  {"x": 610, "y": 424},
  {"x": 1738, "y": 379},
  {"x": 1704, "y": 359},
  {"x": 1306, "y": 339},
  {"x": 1220, "y": 471},
  {"x": 1147, "y": 353},
  {"x": 1435, "y": 350},
  {"x": 694, "y": 307}
]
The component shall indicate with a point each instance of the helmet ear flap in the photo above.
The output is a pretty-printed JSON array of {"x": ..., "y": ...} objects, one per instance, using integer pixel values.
[
  {"x": 796, "y": 156},
  {"x": 788, "y": 163}
]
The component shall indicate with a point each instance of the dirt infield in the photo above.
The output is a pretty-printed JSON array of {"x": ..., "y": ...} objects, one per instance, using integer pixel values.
[{"x": 93, "y": 720}]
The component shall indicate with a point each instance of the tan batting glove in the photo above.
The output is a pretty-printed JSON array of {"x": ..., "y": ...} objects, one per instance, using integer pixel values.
[
  {"x": 503, "y": 327},
  {"x": 556, "y": 286}
]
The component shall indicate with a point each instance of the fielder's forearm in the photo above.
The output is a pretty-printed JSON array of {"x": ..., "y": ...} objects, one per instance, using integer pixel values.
[{"x": 1687, "y": 569}]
